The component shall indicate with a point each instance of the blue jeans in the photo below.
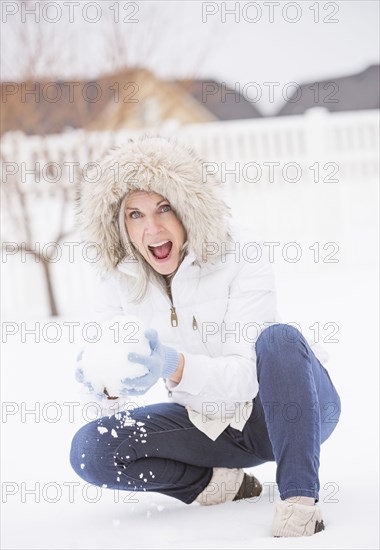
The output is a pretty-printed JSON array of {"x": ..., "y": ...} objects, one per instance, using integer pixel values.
[{"x": 296, "y": 409}]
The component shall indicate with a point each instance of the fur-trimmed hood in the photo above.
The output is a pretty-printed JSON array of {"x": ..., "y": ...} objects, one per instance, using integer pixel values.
[{"x": 166, "y": 167}]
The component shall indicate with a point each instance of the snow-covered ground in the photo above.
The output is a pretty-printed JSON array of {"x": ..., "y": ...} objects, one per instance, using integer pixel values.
[{"x": 65, "y": 513}]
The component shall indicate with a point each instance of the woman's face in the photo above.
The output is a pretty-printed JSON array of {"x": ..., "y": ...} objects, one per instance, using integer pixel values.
[{"x": 154, "y": 230}]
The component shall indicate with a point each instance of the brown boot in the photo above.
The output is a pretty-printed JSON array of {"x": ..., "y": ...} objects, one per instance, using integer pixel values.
[{"x": 250, "y": 487}]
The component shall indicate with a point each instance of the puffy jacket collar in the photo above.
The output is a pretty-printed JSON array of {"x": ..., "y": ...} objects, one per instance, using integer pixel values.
[{"x": 130, "y": 267}]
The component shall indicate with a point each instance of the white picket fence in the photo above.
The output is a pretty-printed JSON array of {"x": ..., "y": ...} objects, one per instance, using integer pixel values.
[{"x": 310, "y": 178}]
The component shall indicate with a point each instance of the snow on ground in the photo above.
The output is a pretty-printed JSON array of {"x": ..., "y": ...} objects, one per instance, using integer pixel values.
[
  {"x": 66, "y": 513},
  {"x": 37, "y": 447}
]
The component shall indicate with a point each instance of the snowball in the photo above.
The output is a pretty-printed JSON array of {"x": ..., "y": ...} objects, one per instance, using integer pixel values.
[{"x": 105, "y": 359}]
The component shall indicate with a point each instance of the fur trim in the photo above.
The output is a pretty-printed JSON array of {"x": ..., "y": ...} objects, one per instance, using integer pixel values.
[{"x": 154, "y": 164}]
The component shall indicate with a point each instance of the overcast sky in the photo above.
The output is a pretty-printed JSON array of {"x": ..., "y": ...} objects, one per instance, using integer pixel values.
[{"x": 261, "y": 42}]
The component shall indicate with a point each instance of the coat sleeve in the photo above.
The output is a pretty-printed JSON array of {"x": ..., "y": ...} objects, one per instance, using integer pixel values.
[
  {"x": 105, "y": 305},
  {"x": 106, "y": 299},
  {"x": 232, "y": 377}
]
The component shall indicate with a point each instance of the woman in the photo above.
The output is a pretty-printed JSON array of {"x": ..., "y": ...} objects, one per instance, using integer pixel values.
[{"x": 243, "y": 389}]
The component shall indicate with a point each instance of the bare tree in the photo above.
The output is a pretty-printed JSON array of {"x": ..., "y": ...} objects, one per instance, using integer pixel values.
[
  {"x": 144, "y": 43},
  {"x": 32, "y": 47},
  {"x": 41, "y": 52},
  {"x": 20, "y": 196}
]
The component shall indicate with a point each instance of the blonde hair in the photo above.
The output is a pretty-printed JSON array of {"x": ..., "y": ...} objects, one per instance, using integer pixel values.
[{"x": 145, "y": 272}]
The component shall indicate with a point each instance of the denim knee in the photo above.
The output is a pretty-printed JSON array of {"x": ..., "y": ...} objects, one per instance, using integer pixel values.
[
  {"x": 278, "y": 338},
  {"x": 79, "y": 448},
  {"x": 87, "y": 446}
]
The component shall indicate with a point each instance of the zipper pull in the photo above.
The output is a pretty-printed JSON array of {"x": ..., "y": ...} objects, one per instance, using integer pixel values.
[
  {"x": 173, "y": 317},
  {"x": 195, "y": 324}
]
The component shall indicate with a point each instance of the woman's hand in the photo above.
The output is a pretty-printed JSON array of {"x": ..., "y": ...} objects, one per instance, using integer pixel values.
[{"x": 162, "y": 362}]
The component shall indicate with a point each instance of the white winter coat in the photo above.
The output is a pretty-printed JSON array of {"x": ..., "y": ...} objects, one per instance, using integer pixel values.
[
  {"x": 222, "y": 304},
  {"x": 221, "y": 310}
]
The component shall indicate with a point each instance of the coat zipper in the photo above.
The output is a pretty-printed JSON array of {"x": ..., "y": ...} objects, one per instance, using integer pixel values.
[
  {"x": 173, "y": 317},
  {"x": 173, "y": 313}
]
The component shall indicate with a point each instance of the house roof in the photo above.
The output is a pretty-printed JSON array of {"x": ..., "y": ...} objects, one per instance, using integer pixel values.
[
  {"x": 350, "y": 93},
  {"x": 225, "y": 103},
  {"x": 77, "y": 102},
  {"x": 137, "y": 98},
  {"x": 145, "y": 100},
  {"x": 125, "y": 99}
]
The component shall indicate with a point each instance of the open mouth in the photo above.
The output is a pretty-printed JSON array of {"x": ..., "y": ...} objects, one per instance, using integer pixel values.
[{"x": 161, "y": 251}]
